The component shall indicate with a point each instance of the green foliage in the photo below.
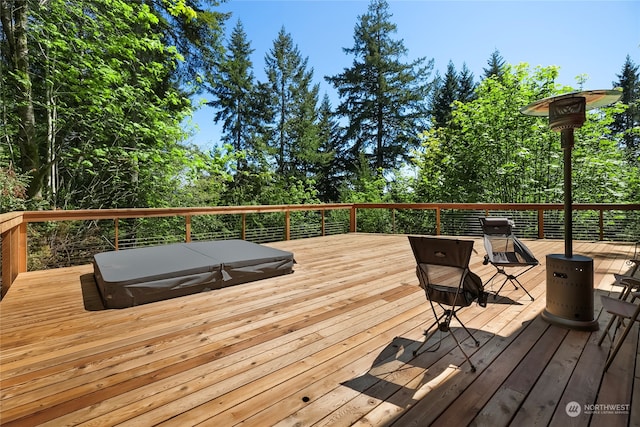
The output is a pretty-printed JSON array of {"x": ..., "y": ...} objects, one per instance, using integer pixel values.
[
  {"x": 206, "y": 177},
  {"x": 600, "y": 170},
  {"x": 123, "y": 125},
  {"x": 108, "y": 109},
  {"x": 13, "y": 190},
  {"x": 369, "y": 187},
  {"x": 328, "y": 165},
  {"x": 496, "y": 66},
  {"x": 490, "y": 152}
]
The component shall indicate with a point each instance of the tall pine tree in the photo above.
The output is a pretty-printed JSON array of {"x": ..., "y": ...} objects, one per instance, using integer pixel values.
[
  {"x": 495, "y": 64},
  {"x": 627, "y": 123},
  {"x": 382, "y": 98},
  {"x": 293, "y": 99},
  {"x": 466, "y": 85},
  {"x": 445, "y": 92},
  {"x": 453, "y": 87},
  {"x": 328, "y": 168},
  {"x": 234, "y": 90}
]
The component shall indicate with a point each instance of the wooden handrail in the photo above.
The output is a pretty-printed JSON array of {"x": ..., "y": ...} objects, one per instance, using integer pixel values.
[
  {"x": 503, "y": 206},
  {"x": 96, "y": 214},
  {"x": 13, "y": 225}
]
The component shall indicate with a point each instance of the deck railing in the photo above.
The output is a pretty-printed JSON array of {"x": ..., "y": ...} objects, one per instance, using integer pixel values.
[{"x": 533, "y": 220}]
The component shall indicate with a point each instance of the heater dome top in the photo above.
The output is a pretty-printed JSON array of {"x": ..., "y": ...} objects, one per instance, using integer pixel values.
[{"x": 593, "y": 99}]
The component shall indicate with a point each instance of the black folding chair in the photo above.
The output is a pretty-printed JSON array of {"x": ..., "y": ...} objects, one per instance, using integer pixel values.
[
  {"x": 443, "y": 272},
  {"x": 505, "y": 250}
]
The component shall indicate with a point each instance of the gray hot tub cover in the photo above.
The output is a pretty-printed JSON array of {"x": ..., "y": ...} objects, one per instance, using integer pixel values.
[{"x": 142, "y": 275}]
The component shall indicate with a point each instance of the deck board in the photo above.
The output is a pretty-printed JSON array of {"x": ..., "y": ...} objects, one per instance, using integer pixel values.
[{"x": 329, "y": 345}]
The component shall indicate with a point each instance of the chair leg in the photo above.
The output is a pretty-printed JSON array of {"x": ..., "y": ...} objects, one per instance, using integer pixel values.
[
  {"x": 445, "y": 327},
  {"x": 495, "y": 296},
  {"x": 500, "y": 270},
  {"x": 621, "y": 312},
  {"x": 629, "y": 287},
  {"x": 618, "y": 345},
  {"x": 428, "y": 334},
  {"x": 523, "y": 288},
  {"x": 605, "y": 332},
  {"x": 473, "y": 368},
  {"x": 465, "y": 328}
]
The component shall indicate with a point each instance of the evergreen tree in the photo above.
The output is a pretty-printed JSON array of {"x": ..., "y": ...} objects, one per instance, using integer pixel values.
[
  {"x": 627, "y": 123},
  {"x": 304, "y": 151},
  {"x": 196, "y": 30},
  {"x": 466, "y": 85},
  {"x": 293, "y": 100},
  {"x": 382, "y": 98},
  {"x": 445, "y": 92},
  {"x": 496, "y": 65},
  {"x": 234, "y": 90},
  {"x": 328, "y": 176},
  {"x": 453, "y": 87}
]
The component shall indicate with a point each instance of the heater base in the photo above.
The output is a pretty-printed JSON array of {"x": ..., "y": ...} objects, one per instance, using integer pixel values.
[
  {"x": 578, "y": 325},
  {"x": 570, "y": 292}
]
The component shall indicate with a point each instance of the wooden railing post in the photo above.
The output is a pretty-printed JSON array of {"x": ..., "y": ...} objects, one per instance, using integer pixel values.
[
  {"x": 22, "y": 248},
  {"x": 601, "y": 224},
  {"x": 7, "y": 258},
  {"x": 116, "y": 232},
  {"x": 287, "y": 225},
  {"x": 322, "y": 223},
  {"x": 540, "y": 223},
  {"x": 14, "y": 250},
  {"x": 437, "y": 221},
  {"x": 393, "y": 221},
  {"x": 243, "y": 232},
  {"x": 352, "y": 220},
  {"x": 187, "y": 227},
  {"x": 11, "y": 257}
]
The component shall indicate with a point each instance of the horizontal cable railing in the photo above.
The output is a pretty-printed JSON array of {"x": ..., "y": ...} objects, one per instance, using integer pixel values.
[{"x": 37, "y": 240}]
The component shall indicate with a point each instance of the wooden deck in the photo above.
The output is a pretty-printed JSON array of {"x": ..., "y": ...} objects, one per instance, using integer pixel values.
[{"x": 329, "y": 345}]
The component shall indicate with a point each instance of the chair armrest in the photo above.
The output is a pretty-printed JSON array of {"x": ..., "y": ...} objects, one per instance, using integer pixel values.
[{"x": 630, "y": 281}]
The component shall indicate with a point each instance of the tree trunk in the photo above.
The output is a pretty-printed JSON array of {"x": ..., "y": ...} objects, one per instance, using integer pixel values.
[{"x": 14, "y": 16}]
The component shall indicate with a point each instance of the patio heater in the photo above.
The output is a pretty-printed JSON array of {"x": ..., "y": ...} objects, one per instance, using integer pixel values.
[{"x": 569, "y": 277}]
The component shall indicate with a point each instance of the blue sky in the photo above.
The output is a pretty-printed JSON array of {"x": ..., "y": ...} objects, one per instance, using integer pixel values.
[{"x": 581, "y": 37}]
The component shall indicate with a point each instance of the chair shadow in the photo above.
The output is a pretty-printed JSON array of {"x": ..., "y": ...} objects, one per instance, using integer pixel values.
[
  {"x": 397, "y": 358},
  {"x": 500, "y": 299},
  {"x": 90, "y": 293},
  {"x": 374, "y": 382}
]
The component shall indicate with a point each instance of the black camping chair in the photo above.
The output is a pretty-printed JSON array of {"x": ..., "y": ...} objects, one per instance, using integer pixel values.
[
  {"x": 443, "y": 272},
  {"x": 504, "y": 250}
]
